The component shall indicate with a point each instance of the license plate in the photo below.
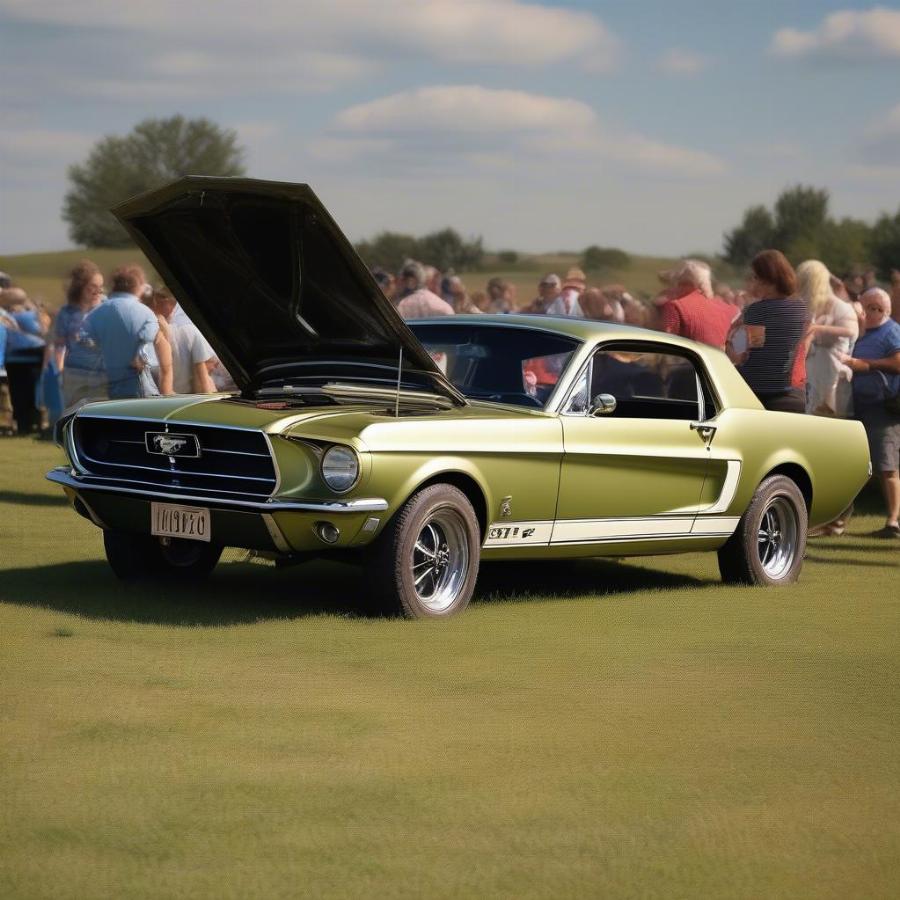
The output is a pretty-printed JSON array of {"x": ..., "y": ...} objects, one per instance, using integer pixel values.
[{"x": 169, "y": 520}]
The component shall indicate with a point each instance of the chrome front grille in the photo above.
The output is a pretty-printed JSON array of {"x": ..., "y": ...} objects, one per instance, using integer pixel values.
[{"x": 231, "y": 460}]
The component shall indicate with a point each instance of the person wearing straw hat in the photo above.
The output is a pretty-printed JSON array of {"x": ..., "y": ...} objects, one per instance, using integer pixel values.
[{"x": 566, "y": 304}]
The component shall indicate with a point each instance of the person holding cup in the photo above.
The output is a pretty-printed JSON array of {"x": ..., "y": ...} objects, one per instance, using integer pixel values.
[{"x": 773, "y": 365}]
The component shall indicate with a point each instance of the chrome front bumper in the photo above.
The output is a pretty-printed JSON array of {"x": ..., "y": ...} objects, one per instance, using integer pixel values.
[{"x": 63, "y": 475}]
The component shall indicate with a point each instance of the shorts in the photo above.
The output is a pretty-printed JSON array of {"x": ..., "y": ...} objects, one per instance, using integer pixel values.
[
  {"x": 883, "y": 432},
  {"x": 81, "y": 385}
]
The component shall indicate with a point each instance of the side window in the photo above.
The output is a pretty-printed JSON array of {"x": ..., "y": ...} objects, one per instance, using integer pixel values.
[
  {"x": 579, "y": 399},
  {"x": 648, "y": 385}
]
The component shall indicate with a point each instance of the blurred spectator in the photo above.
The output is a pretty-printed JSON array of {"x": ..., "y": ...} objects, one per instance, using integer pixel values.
[
  {"x": 5, "y": 281},
  {"x": 831, "y": 334},
  {"x": 876, "y": 398},
  {"x": 25, "y": 326},
  {"x": 775, "y": 325},
  {"x": 433, "y": 280},
  {"x": 635, "y": 312},
  {"x": 855, "y": 285},
  {"x": 549, "y": 288},
  {"x": 480, "y": 300},
  {"x": 501, "y": 296},
  {"x": 566, "y": 304},
  {"x": 6, "y": 419},
  {"x": 122, "y": 328},
  {"x": 386, "y": 281},
  {"x": 459, "y": 296},
  {"x": 420, "y": 302},
  {"x": 192, "y": 357},
  {"x": 895, "y": 294},
  {"x": 76, "y": 357},
  {"x": 692, "y": 310}
]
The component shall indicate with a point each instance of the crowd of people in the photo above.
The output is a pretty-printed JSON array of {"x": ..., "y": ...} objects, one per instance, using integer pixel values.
[
  {"x": 804, "y": 340},
  {"x": 135, "y": 341}
]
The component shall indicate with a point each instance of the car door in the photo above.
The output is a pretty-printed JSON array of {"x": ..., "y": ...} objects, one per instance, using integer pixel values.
[{"x": 635, "y": 471}]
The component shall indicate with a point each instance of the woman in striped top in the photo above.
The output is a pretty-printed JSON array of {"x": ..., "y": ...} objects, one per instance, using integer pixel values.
[{"x": 774, "y": 363}]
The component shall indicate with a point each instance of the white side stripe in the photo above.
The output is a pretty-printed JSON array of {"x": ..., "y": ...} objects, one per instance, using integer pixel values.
[
  {"x": 607, "y": 530},
  {"x": 729, "y": 487}
]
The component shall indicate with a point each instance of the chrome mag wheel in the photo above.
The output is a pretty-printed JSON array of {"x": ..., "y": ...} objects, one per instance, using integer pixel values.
[
  {"x": 440, "y": 559},
  {"x": 777, "y": 537}
]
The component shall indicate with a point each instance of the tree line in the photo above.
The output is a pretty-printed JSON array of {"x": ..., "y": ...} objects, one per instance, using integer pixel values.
[{"x": 801, "y": 226}]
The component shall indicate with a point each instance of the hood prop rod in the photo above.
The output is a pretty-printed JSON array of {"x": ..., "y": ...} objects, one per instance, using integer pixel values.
[{"x": 399, "y": 375}]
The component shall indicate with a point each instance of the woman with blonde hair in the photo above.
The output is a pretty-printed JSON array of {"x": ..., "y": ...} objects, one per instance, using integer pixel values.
[{"x": 832, "y": 333}]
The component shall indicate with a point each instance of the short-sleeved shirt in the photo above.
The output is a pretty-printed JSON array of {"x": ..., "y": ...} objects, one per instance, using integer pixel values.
[
  {"x": 871, "y": 389},
  {"x": 700, "y": 318},
  {"x": 22, "y": 336},
  {"x": 777, "y": 366},
  {"x": 68, "y": 332},
  {"x": 120, "y": 328},
  {"x": 189, "y": 347},
  {"x": 423, "y": 303}
]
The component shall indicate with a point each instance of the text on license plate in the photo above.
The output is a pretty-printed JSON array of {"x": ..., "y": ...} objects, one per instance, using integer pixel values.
[{"x": 169, "y": 520}]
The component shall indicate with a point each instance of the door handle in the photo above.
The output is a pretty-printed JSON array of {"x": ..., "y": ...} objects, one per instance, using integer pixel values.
[{"x": 705, "y": 430}]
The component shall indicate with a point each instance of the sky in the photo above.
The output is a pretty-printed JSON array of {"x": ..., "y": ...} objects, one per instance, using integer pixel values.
[{"x": 648, "y": 125}]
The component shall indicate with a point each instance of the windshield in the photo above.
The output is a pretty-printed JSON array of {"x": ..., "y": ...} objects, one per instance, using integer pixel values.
[{"x": 498, "y": 363}]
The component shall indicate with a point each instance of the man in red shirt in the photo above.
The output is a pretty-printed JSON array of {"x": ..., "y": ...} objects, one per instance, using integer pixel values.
[{"x": 693, "y": 311}]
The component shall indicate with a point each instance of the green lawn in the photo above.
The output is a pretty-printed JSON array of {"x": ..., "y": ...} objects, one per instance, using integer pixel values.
[{"x": 596, "y": 729}]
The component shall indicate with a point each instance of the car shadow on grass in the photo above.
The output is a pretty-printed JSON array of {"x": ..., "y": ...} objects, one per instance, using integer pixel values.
[
  {"x": 244, "y": 593},
  {"x": 28, "y": 499},
  {"x": 555, "y": 579}
]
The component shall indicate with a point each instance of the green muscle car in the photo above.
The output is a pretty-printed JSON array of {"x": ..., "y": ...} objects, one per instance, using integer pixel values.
[{"x": 422, "y": 448}]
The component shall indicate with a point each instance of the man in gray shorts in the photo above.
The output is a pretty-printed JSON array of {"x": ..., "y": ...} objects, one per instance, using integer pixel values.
[{"x": 876, "y": 385}]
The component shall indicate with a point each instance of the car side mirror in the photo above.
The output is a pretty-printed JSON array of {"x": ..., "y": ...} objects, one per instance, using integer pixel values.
[{"x": 603, "y": 405}]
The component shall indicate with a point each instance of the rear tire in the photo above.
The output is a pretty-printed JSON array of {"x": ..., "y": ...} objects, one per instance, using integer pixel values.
[
  {"x": 770, "y": 541},
  {"x": 425, "y": 563}
]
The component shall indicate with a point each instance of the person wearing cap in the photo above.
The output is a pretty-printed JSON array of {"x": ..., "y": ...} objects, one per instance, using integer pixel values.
[
  {"x": 693, "y": 311},
  {"x": 566, "y": 304},
  {"x": 549, "y": 288},
  {"x": 419, "y": 302}
]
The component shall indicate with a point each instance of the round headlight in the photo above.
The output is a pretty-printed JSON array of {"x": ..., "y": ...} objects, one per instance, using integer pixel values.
[{"x": 340, "y": 468}]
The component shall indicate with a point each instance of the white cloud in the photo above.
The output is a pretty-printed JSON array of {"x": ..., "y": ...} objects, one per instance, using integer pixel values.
[
  {"x": 210, "y": 49},
  {"x": 878, "y": 150},
  {"x": 484, "y": 128},
  {"x": 682, "y": 62},
  {"x": 855, "y": 35},
  {"x": 464, "y": 108}
]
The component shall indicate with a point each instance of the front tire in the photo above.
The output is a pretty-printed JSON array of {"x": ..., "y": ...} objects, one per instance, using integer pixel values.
[
  {"x": 768, "y": 546},
  {"x": 132, "y": 556},
  {"x": 426, "y": 561}
]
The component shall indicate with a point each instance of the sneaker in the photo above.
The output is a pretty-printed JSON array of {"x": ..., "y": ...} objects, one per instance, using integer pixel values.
[{"x": 889, "y": 531}]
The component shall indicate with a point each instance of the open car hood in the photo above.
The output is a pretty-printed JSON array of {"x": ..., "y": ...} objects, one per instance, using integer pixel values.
[{"x": 275, "y": 286}]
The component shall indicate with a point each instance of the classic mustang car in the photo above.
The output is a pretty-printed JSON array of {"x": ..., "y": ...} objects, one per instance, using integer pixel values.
[{"x": 423, "y": 448}]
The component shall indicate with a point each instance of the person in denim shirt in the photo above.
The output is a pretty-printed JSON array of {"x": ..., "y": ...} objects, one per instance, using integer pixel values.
[
  {"x": 76, "y": 356},
  {"x": 122, "y": 328}
]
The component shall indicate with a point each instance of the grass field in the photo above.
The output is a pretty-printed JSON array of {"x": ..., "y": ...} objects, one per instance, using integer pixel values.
[{"x": 590, "y": 729}]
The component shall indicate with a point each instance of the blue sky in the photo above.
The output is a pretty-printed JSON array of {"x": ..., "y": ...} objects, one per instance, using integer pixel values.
[{"x": 541, "y": 126}]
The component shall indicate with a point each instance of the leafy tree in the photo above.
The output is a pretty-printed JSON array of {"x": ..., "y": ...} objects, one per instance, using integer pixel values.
[
  {"x": 388, "y": 249},
  {"x": 444, "y": 249},
  {"x": 800, "y": 215},
  {"x": 885, "y": 244},
  {"x": 595, "y": 258},
  {"x": 154, "y": 152},
  {"x": 755, "y": 233},
  {"x": 845, "y": 245}
]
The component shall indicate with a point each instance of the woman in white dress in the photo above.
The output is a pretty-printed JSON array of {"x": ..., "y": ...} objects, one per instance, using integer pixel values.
[{"x": 833, "y": 332}]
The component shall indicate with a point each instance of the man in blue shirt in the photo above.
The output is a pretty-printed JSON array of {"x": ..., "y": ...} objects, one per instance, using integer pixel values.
[
  {"x": 876, "y": 379},
  {"x": 122, "y": 328}
]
